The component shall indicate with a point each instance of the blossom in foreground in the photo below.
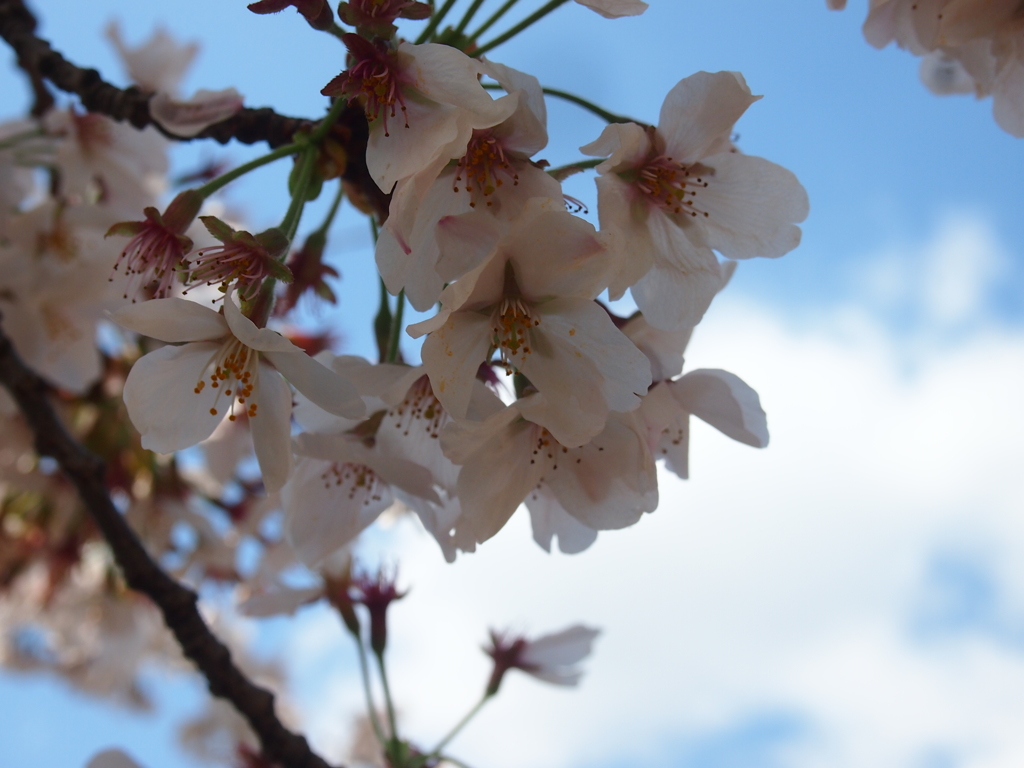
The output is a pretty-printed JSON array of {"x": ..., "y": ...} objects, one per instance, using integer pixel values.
[
  {"x": 674, "y": 194},
  {"x": 423, "y": 103},
  {"x": 606, "y": 484},
  {"x": 717, "y": 397},
  {"x": 177, "y": 395},
  {"x": 530, "y": 296},
  {"x": 155, "y": 254},
  {"x": 494, "y": 174},
  {"x": 551, "y": 658}
]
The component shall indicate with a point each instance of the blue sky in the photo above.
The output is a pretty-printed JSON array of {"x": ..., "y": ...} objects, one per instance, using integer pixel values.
[{"x": 853, "y": 595}]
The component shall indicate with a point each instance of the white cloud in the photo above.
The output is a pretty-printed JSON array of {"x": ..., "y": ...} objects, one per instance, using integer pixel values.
[
  {"x": 783, "y": 582},
  {"x": 948, "y": 279}
]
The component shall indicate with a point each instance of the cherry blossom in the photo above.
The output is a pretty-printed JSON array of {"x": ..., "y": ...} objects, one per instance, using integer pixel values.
[
  {"x": 529, "y": 295},
  {"x": 605, "y": 484},
  {"x": 495, "y": 175},
  {"x": 673, "y": 193},
  {"x": 177, "y": 395},
  {"x": 551, "y": 658},
  {"x": 423, "y": 103}
]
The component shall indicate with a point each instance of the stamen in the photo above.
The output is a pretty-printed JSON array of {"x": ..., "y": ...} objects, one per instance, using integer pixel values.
[
  {"x": 511, "y": 324},
  {"x": 672, "y": 186},
  {"x": 485, "y": 167},
  {"x": 236, "y": 365}
]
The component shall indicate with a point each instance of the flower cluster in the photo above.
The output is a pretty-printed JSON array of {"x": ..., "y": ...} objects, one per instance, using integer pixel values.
[{"x": 968, "y": 46}]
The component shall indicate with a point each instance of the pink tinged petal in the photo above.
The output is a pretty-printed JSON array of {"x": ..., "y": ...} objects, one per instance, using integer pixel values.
[
  {"x": 245, "y": 330},
  {"x": 752, "y": 205},
  {"x": 724, "y": 401},
  {"x": 496, "y": 478},
  {"x": 161, "y": 399},
  {"x": 698, "y": 114},
  {"x": 551, "y": 658},
  {"x": 555, "y": 253},
  {"x": 610, "y": 482},
  {"x": 624, "y": 219},
  {"x": 626, "y": 145},
  {"x": 172, "y": 320},
  {"x": 279, "y": 601},
  {"x": 550, "y": 520},
  {"x": 271, "y": 428},
  {"x": 663, "y": 348},
  {"x": 319, "y": 383},
  {"x": 190, "y": 118},
  {"x": 452, "y": 354},
  {"x": 325, "y": 510},
  {"x": 678, "y": 289},
  {"x": 410, "y": 477},
  {"x": 447, "y": 75},
  {"x": 525, "y": 131},
  {"x": 584, "y": 330},
  {"x": 465, "y": 242},
  {"x": 615, "y": 9},
  {"x": 668, "y": 428}
]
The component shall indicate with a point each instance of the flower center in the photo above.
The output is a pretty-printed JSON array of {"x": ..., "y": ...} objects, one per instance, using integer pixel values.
[
  {"x": 151, "y": 259},
  {"x": 234, "y": 375},
  {"x": 420, "y": 407},
  {"x": 223, "y": 265},
  {"x": 511, "y": 324},
  {"x": 672, "y": 186},
  {"x": 358, "y": 479},
  {"x": 482, "y": 168}
]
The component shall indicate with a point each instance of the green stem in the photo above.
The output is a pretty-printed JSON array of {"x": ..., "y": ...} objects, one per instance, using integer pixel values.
[
  {"x": 223, "y": 180},
  {"x": 604, "y": 114},
  {"x": 324, "y": 126},
  {"x": 468, "y": 17},
  {"x": 435, "y": 20},
  {"x": 459, "y": 726},
  {"x": 493, "y": 20},
  {"x": 335, "y": 204},
  {"x": 336, "y": 31},
  {"x": 364, "y": 670},
  {"x": 396, "y": 328},
  {"x": 581, "y": 165},
  {"x": 290, "y": 223},
  {"x": 527, "y": 22},
  {"x": 387, "y": 697}
]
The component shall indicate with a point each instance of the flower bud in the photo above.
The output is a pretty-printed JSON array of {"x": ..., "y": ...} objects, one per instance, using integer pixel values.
[{"x": 377, "y": 593}]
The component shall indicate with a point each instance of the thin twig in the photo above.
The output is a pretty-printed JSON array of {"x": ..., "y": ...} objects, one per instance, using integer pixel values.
[
  {"x": 177, "y": 603},
  {"x": 131, "y": 105}
]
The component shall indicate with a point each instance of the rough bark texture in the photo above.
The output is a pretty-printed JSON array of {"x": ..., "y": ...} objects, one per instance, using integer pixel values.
[
  {"x": 43, "y": 64},
  {"x": 178, "y": 604}
]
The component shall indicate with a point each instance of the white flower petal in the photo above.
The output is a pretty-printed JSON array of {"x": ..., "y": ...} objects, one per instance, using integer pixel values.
[
  {"x": 161, "y": 399},
  {"x": 271, "y": 428},
  {"x": 699, "y": 112},
  {"x": 724, "y": 401},
  {"x": 549, "y": 519},
  {"x": 453, "y": 354},
  {"x": 172, "y": 320},
  {"x": 319, "y": 383},
  {"x": 752, "y": 207},
  {"x": 327, "y": 509},
  {"x": 190, "y": 118},
  {"x": 279, "y": 601},
  {"x": 245, "y": 330}
]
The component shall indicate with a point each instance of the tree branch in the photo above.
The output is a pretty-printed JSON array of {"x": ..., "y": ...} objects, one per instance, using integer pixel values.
[
  {"x": 177, "y": 603},
  {"x": 248, "y": 125}
]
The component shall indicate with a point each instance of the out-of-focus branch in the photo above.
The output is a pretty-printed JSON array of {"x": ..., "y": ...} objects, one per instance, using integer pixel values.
[
  {"x": 249, "y": 126},
  {"x": 177, "y": 603}
]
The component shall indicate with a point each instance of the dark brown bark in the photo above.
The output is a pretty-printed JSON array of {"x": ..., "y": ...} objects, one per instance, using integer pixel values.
[{"x": 176, "y": 602}]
